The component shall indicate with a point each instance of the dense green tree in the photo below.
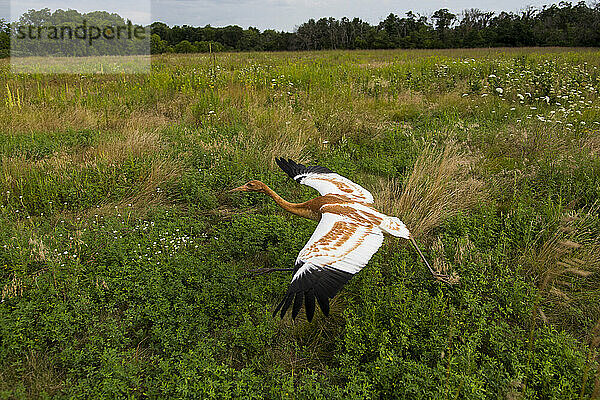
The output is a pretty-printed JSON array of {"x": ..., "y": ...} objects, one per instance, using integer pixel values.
[
  {"x": 4, "y": 38},
  {"x": 443, "y": 21},
  {"x": 185, "y": 47},
  {"x": 251, "y": 40},
  {"x": 157, "y": 45},
  {"x": 230, "y": 36},
  {"x": 273, "y": 41},
  {"x": 162, "y": 30}
]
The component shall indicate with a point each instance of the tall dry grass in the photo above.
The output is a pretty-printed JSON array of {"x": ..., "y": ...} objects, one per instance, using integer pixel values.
[
  {"x": 440, "y": 185},
  {"x": 566, "y": 268}
]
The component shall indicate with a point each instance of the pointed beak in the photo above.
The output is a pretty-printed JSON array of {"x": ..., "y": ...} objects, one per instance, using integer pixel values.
[{"x": 238, "y": 189}]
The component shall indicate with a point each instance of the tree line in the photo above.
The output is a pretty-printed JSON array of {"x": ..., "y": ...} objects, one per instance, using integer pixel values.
[{"x": 562, "y": 24}]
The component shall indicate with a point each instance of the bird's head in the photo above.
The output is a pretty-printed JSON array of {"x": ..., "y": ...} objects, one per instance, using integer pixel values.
[{"x": 252, "y": 186}]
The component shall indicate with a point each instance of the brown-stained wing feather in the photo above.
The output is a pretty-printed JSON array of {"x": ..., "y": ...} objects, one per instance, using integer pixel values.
[
  {"x": 324, "y": 180},
  {"x": 338, "y": 249}
]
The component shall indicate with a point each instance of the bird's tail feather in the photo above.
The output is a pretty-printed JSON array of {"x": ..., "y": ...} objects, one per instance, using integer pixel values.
[{"x": 394, "y": 227}]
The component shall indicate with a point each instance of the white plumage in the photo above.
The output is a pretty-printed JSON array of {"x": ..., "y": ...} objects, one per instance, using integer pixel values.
[
  {"x": 349, "y": 232},
  {"x": 332, "y": 183},
  {"x": 340, "y": 242}
]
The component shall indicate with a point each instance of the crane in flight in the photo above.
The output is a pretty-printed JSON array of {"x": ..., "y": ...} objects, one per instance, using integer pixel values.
[{"x": 349, "y": 232}]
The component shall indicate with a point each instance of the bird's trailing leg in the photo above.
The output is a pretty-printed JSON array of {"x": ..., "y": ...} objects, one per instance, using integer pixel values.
[
  {"x": 262, "y": 271},
  {"x": 449, "y": 279}
]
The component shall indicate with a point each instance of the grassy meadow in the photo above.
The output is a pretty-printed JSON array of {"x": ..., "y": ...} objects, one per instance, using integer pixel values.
[{"x": 124, "y": 260}]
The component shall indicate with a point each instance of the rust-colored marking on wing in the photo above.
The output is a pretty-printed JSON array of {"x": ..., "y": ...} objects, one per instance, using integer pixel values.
[
  {"x": 349, "y": 229},
  {"x": 358, "y": 243},
  {"x": 340, "y": 185},
  {"x": 316, "y": 250},
  {"x": 318, "y": 202},
  {"x": 359, "y": 216},
  {"x": 339, "y": 234},
  {"x": 350, "y": 188}
]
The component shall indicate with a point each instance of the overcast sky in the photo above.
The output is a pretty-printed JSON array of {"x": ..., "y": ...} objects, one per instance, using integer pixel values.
[{"x": 263, "y": 14}]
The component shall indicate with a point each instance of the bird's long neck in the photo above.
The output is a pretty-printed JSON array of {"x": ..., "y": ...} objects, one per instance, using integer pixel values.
[{"x": 295, "y": 208}]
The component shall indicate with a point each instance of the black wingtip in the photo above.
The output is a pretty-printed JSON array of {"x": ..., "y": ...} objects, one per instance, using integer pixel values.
[
  {"x": 279, "y": 306},
  {"x": 320, "y": 285},
  {"x": 309, "y": 304},
  {"x": 293, "y": 169},
  {"x": 323, "y": 301},
  {"x": 288, "y": 166},
  {"x": 297, "y": 305},
  {"x": 288, "y": 303}
]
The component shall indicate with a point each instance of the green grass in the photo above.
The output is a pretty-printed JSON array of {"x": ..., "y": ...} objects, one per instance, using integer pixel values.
[{"x": 123, "y": 259}]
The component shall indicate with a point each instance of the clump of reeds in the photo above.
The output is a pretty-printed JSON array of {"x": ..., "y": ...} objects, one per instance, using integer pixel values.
[
  {"x": 439, "y": 186},
  {"x": 566, "y": 267}
]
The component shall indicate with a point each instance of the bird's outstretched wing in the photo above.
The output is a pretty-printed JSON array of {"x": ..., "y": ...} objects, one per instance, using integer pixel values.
[
  {"x": 324, "y": 180},
  {"x": 339, "y": 248}
]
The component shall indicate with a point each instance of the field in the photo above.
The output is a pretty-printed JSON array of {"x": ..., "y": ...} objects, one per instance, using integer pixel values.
[{"x": 124, "y": 260}]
